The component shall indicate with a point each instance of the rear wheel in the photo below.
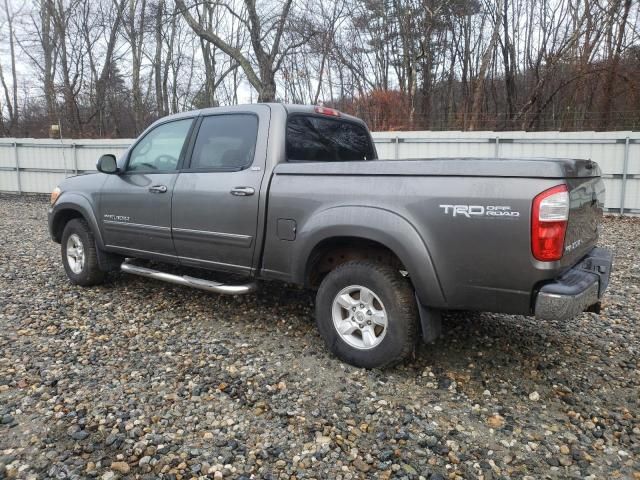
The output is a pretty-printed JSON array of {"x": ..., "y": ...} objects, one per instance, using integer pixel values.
[
  {"x": 366, "y": 312},
  {"x": 79, "y": 254}
]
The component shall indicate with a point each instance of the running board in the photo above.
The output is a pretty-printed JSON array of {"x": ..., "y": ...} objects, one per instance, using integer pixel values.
[{"x": 188, "y": 281}]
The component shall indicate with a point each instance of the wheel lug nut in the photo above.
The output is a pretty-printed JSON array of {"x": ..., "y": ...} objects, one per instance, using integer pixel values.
[
  {"x": 368, "y": 322},
  {"x": 353, "y": 309},
  {"x": 368, "y": 312},
  {"x": 361, "y": 305}
]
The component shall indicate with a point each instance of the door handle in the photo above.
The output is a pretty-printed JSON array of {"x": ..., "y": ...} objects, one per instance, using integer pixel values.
[
  {"x": 158, "y": 189},
  {"x": 243, "y": 191}
]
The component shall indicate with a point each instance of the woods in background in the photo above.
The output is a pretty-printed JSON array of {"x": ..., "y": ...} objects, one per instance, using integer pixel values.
[{"x": 107, "y": 68}]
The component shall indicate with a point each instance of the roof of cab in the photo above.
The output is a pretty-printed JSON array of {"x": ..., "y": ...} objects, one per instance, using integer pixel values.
[
  {"x": 311, "y": 109},
  {"x": 289, "y": 108}
]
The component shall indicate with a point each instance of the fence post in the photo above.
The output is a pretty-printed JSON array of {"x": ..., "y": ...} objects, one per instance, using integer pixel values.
[
  {"x": 17, "y": 163},
  {"x": 625, "y": 169},
  {"x": 397, "y": 150},
  {"x": 497, "y": 152},
  {"x": 75, "y": 158}
]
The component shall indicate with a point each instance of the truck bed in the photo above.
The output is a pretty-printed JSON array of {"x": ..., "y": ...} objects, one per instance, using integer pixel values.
[{"x": 479, "y": 261}]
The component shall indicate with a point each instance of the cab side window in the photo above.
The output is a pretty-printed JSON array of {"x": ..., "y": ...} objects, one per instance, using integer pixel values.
[
  {"x": 225, "y": 142},
  {"x": 159, "y": 150}
]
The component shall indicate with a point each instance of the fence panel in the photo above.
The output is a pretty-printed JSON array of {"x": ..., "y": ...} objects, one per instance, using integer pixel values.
[
  {"x": 37, "y": 165},
  {"x": 617, "y": 153}
]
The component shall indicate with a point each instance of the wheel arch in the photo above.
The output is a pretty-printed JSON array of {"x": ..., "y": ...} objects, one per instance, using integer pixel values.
[
  {"x": 60, "y": 221},
  {"x": 378, "y": 232},
  {"x": 72, "y": 206},
  {"x": 333, "y": 251}
]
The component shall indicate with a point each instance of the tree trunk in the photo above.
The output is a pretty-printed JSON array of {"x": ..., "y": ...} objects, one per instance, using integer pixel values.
[
  {"x": 478, "y": 95},
  {"x": 508, "y": 62},
  {"x": 268, "y": 91},
  {"x": 135, "y": 34},
  {"x": 613, "y": 68},
  {"x": 13, "y": 104},
  {"x": 157, "y": 62},
  {"x": 69, "y": 81},
  {"x": 49, "y": 55}
]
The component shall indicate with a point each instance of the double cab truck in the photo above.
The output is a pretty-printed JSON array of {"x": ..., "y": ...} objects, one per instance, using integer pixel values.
[{"x": 297, "y": 194}]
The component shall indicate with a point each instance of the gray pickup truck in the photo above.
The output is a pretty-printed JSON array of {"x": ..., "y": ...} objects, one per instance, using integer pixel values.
[{"x": 297, "y": 194}]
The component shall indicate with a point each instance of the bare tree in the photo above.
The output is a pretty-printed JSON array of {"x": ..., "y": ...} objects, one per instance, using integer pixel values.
[
  {"x": 484, "y": 65},
  {"x": 109, "y": 67},
  {"x": 619, "y": 14},
  {"x": 69, "y": 45},
  {"x": 45, "y": 55},
  {"x": 103, "y": 21},
  {"x": 11, "y": 94},
  {"x": 266, "y": 31},
  {"x": 134, "y": 27}
]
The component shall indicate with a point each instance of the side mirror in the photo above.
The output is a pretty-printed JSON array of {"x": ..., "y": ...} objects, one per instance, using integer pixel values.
[{"x": 107, "y": 164}]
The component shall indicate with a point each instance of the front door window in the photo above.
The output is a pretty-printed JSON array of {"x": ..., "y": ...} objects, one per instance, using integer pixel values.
[{"x": 159, "y": 150}]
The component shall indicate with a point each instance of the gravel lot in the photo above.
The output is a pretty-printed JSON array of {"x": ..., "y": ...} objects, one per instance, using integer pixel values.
[{"x": 142, "y": 379}]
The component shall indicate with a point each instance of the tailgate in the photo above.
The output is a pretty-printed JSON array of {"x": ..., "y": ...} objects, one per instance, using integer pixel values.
[{"x": 586, "y": 196}]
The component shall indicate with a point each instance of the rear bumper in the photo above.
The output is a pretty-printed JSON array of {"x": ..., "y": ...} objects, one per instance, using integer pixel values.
[{"x": 580, "y": 288}]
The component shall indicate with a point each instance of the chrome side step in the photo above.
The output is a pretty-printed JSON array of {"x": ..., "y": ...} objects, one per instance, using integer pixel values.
[{"x": 188, "y": 281}]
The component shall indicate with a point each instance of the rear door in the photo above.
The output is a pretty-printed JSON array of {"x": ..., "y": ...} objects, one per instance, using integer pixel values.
[
  {"x": 217, "y": 196},
  {"x": 135, "y": 205}
]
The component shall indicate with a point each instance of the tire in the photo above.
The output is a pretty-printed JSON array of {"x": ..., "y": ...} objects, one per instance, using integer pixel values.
[
  {"x": 82, "y": 269},
  {"x": 384, "y": 332}
]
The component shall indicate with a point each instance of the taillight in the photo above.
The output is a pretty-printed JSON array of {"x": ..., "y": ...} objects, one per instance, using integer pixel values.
[
  {"x": 332, "y": 112},
  {"x": 549, "y": 218}
]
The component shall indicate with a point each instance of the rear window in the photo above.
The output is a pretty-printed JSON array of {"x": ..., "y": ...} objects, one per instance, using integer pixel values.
[{"x": 312, "y": 138}]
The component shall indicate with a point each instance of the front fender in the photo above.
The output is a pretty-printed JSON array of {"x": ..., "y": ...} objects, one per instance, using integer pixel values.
[
  {"x": 379, "y": 225},
  {"x": 78, "y": 203}
]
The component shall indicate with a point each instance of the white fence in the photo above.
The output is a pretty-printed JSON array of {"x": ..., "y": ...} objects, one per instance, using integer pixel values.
[{"x": 30, "y": 165}]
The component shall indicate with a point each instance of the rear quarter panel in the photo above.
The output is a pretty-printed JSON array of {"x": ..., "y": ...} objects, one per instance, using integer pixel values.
[{"x": 482, "y": 262}]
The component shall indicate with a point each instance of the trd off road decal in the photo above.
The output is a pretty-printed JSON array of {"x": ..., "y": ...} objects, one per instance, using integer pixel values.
[{"x": 469, "y": 211}]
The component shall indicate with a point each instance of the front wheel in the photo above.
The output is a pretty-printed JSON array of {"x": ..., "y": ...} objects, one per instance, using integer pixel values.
[
  {"x": 79, "y": 255},
  {"x": 366, "y": 312}
]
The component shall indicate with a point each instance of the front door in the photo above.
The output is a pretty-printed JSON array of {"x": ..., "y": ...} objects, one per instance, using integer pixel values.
[
  {"x": 136, "y": 203},
  {"x": 216, "y": 198}
]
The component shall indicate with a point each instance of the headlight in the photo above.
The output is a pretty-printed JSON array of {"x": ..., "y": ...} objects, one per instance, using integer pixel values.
[{"x": 55, "y": 194}]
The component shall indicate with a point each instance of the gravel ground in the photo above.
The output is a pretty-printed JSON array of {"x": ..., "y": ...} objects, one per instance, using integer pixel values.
[{"x": 142, "y": 379}]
